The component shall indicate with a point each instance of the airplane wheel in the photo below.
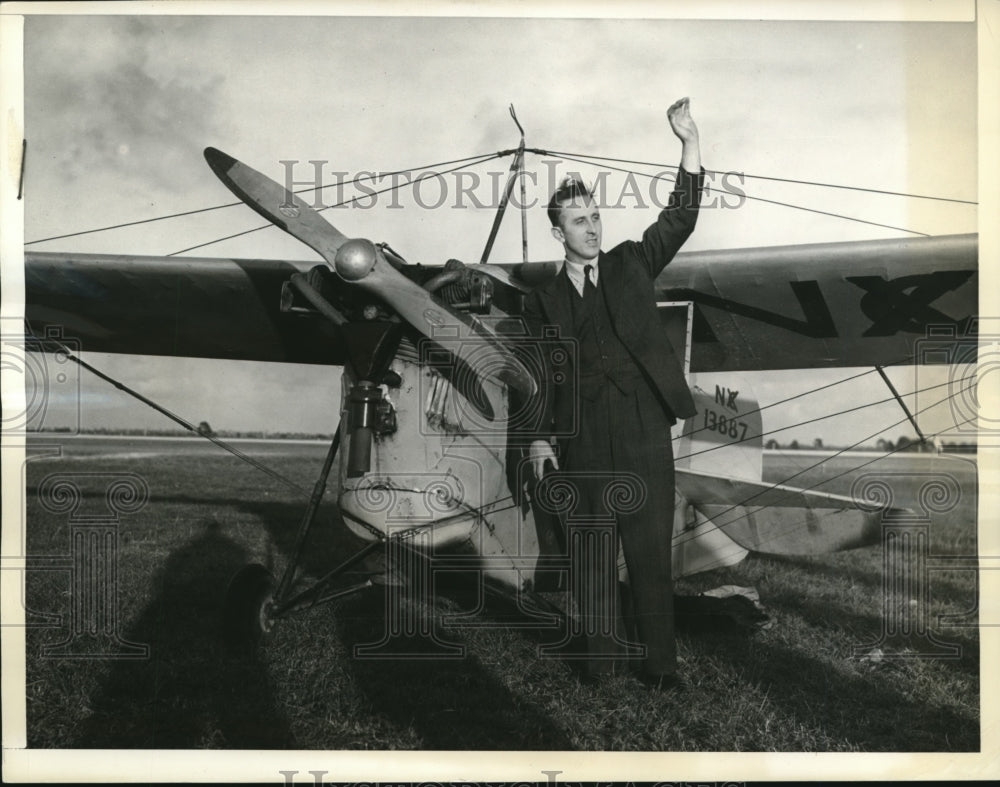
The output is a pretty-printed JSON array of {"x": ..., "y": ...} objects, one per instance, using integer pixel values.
[{"x": 248, "y": 609}]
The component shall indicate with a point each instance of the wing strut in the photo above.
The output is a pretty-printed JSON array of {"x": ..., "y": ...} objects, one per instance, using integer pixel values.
[
  {"x": 901, "y": 403},
  {"x": 516, "y": 171}
]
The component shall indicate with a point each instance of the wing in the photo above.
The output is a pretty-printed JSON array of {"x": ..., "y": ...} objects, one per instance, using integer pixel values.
[
  {"x": 807, "y": 306},
  {"x": 194, "y": 307},
  {"x": 822, "y": 305},
  {"x": 200, "y": 308}
]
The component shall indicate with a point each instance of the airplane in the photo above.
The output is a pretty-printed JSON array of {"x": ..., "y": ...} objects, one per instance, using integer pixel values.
[{"x": 437, "y": 367}]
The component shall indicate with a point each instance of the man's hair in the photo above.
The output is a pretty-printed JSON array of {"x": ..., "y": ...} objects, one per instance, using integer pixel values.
[{"x": 570, "y": 190}]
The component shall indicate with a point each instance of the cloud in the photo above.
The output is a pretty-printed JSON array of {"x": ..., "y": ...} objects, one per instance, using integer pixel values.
[{"x": 122, "y": 98}]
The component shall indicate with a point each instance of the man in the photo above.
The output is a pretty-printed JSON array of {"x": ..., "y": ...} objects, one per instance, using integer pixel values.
[{"x": 631, "y": 389}]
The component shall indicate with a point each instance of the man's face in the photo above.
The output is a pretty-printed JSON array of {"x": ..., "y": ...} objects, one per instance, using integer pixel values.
[{"x": 579, "y": 231}]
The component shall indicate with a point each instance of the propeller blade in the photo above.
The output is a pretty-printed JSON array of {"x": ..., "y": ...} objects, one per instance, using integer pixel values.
[
  {"x": 362, "y": 263},
  {"x": 277, "y": 204}
]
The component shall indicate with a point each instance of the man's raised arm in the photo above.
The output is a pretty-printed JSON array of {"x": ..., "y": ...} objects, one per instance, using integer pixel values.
[
  {"x": 686, "y": 131},
  {"x": 675, "y": 223}
]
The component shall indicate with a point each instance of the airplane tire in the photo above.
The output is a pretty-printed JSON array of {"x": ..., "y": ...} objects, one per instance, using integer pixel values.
[{"x": 246, "y": 616}]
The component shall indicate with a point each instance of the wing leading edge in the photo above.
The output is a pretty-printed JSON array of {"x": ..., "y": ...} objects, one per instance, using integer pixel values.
[{"x": 783, "y": 307}]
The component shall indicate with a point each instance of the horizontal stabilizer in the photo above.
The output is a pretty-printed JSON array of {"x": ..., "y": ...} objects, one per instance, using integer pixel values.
[{"x": 781, "y": 520}]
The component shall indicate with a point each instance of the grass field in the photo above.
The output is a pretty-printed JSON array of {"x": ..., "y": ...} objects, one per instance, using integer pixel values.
[{"x": 793, "y": 686}]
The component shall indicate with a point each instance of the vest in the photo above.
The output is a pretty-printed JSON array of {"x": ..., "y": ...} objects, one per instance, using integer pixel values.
[{"x": 602, "y": 358}]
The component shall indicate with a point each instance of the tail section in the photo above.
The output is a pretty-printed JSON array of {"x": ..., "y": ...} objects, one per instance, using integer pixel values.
[
  {"x": 724, "y": 510},
  {"x": 723, "y": 439}
]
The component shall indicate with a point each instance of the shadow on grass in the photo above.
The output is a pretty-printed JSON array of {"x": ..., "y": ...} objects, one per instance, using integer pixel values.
[
  {"x": 449, "y": 701},
  {"x": 329, "y": 540},
  {"x": 865, "y": 630},
  {"x": 189, "y": 693},
  {"x": 881, "y": 710},
  {"x": 865, "y": 710},
  {"x": 961, "y": 592}
]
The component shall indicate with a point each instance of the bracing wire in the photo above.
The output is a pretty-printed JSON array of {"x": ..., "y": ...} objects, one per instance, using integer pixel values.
[
  {"x": 473, "y": 161},
  {"x": 578, "y": 157},
  {"x": 62, "y": 348},
  {"x": 887, "y": 400},
  {"x": 765, "y": 177},
  {"x": 234, "y": 204},
  {"x": 679, "y": 540},
  {"x": 803, "y": 394},
  {"x": 769, "y": 201},
  {"x": 350, "y": 201},
  {"x": 835, "y": 454}
]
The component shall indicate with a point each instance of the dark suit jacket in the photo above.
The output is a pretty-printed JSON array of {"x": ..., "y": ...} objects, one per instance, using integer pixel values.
[{"x": 626, "y": 276}]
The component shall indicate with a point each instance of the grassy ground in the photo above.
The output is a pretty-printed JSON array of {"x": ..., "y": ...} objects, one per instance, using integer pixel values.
[{"x": 791, "y": 687}]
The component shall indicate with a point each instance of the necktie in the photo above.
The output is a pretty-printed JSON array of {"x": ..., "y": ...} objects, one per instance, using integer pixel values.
[{"x": 588, "y": 283}]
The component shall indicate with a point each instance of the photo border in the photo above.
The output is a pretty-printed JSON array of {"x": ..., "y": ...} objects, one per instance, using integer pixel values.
[{"x": 352, "y": 766}]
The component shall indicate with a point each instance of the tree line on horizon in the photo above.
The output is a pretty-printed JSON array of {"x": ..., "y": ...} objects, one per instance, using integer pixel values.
[{"x": 204, "y": 430}]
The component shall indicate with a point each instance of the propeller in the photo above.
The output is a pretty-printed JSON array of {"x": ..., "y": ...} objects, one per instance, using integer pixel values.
[{"x": 362, "y": 263}]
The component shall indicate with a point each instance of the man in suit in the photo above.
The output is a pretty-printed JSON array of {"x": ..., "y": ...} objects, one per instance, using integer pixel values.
[{"x": 615, "y": 424}]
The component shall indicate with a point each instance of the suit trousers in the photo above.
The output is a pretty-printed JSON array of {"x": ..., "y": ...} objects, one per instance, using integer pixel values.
[{"x": 620, "y": 466}]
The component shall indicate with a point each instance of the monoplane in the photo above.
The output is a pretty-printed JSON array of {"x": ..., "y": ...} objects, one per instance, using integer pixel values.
[{"x": 439, "y": 370}]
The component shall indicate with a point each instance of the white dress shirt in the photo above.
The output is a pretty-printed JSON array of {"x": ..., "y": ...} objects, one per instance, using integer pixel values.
[{"x": 577, "y": 276}]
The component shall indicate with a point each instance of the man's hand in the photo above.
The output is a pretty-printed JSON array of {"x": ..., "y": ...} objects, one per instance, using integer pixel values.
[
  {"x": 681, "y": 122},
  {"x": 541, "y": 452},
  {"x": 684, "y": 127}
]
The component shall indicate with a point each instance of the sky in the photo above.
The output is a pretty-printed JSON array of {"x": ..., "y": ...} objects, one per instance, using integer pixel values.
[{"x": 118, "y": 111}]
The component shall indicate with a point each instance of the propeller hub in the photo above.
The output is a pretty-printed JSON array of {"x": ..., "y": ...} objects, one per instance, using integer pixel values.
[{"x": 355, "y": 259}]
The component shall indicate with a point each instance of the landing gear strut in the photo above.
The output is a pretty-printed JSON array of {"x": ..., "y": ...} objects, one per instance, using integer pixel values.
[{"x": 255, "y": 601}]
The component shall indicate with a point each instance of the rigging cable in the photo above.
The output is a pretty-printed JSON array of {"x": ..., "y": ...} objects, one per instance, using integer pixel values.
[
  {"x": 763, "y": 199},
  {"x": 814, "y": 420},
  {"x": 173, "y": 416},
  {"x": 823, "y": 387},
  {"x": 164, "y": 411},
  {"x": 341, "y": 204},
  {"x": 835, "y": 454},
  {"x": 761, "y": 177},
  {"x": 538, "y": 151},
  {"x": 233, "y": 204}
]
